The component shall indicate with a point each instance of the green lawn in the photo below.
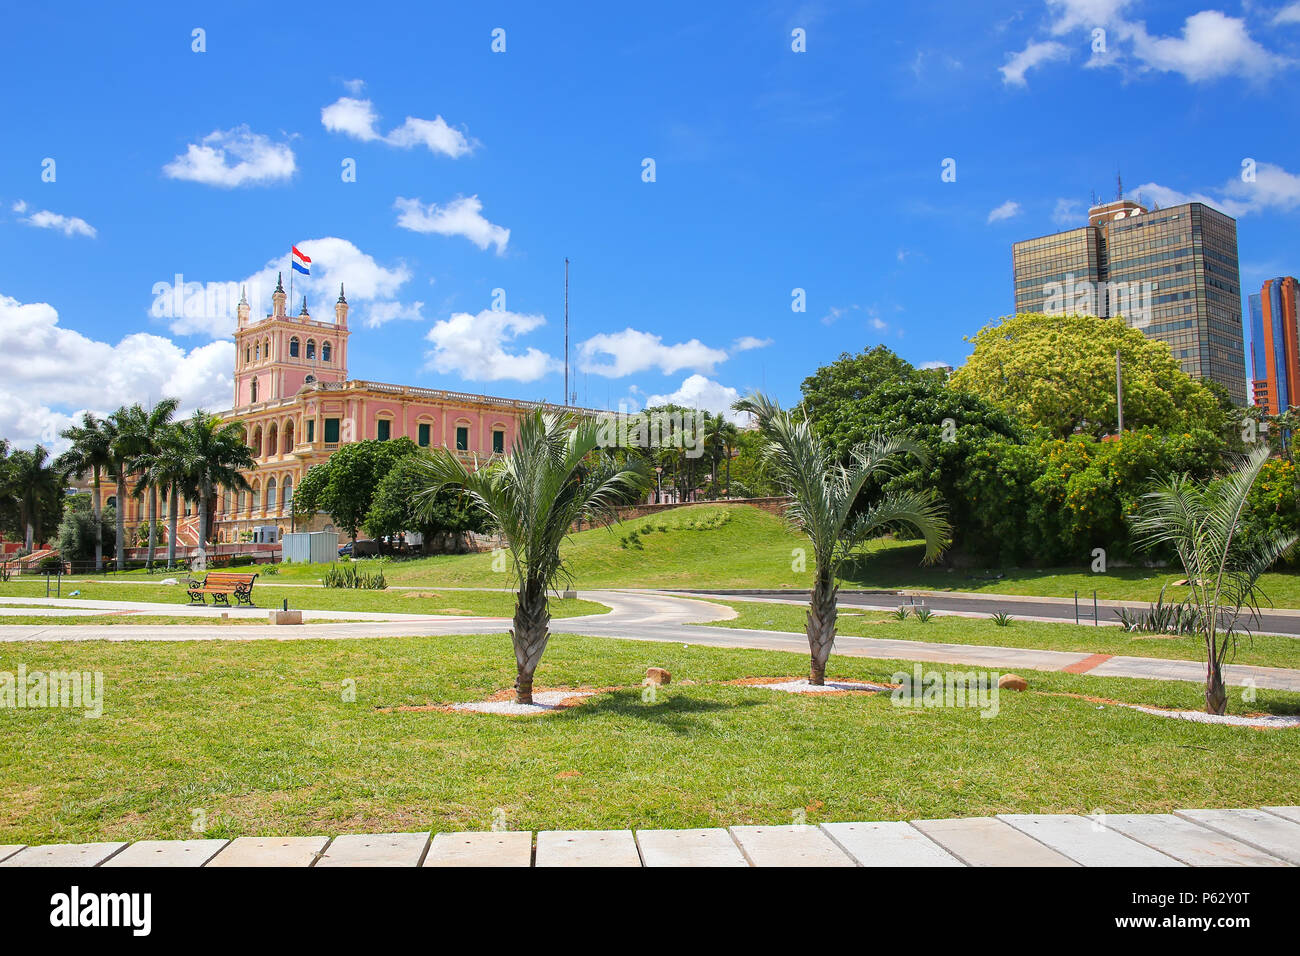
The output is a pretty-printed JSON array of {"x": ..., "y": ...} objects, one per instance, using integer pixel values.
[
  {"x": 258, "y": 737},
  {"x": 475, "y": 603},
  {"x": 1265, "y": 650},
  {"x": 739, "y": 546}
]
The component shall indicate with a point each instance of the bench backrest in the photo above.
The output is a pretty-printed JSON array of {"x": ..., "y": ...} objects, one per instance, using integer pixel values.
[{"x": 222, "y": 578}]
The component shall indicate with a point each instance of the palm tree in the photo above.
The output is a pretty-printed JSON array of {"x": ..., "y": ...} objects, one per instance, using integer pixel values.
[
  {"x": 122, "y": 428},
  {"x": 215, "y": 456},
  {"x": 1202, "y": 522},
  {"x": 151, "y": 428},
  {"x": 90, "y": 454},
  {"x": 32, "y": 478},
  {"x": 172, "y": 471},
  {"x": 534, "y": 495},
  {"x": 825, "y": 492}
]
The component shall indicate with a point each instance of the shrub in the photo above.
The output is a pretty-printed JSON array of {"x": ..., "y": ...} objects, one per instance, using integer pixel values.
[{"x": 349, "y": 577}]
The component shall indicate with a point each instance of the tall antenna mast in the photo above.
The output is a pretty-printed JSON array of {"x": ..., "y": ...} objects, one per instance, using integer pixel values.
[
  {"x": 566, "y": 330},
  {"x": 1119, "y": 185}
]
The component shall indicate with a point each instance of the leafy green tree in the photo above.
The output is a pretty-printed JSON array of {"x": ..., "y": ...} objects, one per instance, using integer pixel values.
[
  {"x": 90, "y": 454},
  {"x": 825, "y": 507},
  {"x": 397, "y": 506},
  {"x": 858, "y": 396},
  {"x": 1057, "y": 372},
  {"x": 551, "y": 478},
  {"x": 84, "y": 529},
  {"x": 1202, "y": 521},
  {"x": 344, "y": 485}
]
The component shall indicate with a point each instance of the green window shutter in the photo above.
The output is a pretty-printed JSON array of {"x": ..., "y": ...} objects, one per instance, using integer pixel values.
[
  {"x": 385, "y": 429},
  {"x": 424, "y": 436},
  {"x": 499, "y": 442},
  {"x": 462, "y": 439},
  {"x": 331, "y": 429}
]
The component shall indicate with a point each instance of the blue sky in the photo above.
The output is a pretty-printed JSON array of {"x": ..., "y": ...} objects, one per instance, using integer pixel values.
[{"x": 477, "y": 170}]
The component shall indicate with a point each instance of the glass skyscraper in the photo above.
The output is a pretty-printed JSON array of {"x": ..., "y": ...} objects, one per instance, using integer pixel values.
[{"x": 1170, "y": 272}]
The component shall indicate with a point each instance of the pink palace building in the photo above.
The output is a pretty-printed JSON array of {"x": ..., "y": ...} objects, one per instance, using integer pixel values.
[{"x": 297, "y": 405}]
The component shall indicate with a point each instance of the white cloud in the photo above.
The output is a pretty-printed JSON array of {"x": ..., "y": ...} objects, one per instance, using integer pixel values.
[
  {"x": 1288, "y": 14},
  {"x": 1007, "y": 210},
  {"x": 747, "y": 342},
  {"x": 50, "y": 374},
  {"x": 233, "y": 157},
  {"x": 372, "y": 291},
  {"x": 383, "y": 312},
  {"x": 357, "y": 118},
  {"x": 935, "y": 364},
  {"x": 1035, "y": 54},
  {"x": 474, "y": 347},
  {"x": 698, "y": 391},
  {"x": 354, "y": 86},
  {"x": 632, "y": 351},
  {"x": 460, "y": 217},
  {"x": 1210, "y": 45},
  {"x": 1068, "y": 212},
  {"x": 68, "y": 225},
  {"x": 1273, "y": 189}
]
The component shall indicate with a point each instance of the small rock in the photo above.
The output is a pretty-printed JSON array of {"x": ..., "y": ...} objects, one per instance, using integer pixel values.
[
  {"x": 169, "y": 581},
  {"x": 657, "y": 675},
  {"x": 1012, "y": 682}
]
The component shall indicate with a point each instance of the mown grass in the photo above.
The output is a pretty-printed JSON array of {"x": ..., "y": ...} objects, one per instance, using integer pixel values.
[
  {"x": 1263, "y": 649},
  {"x": 739, "y": 546},
  {"x": 470, "y": 603},
  {"x": 259, "y": 738}
]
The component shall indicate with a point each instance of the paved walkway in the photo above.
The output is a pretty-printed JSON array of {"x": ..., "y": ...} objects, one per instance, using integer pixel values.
[
  {"x": 1266, "y": 837},
  {"x": 651, "y": 616}
]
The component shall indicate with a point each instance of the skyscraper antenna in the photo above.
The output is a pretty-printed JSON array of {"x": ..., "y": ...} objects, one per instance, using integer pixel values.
[
  {"x": 566, "y": 330},
  {"x": 1119, "y": 185}
]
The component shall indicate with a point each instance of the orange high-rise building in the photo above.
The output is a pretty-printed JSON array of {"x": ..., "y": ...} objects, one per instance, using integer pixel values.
[{"x": 1275, "y": 346}]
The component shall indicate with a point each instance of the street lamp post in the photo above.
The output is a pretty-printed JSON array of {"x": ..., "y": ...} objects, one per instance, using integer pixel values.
[{"x": 659, "y": 473}]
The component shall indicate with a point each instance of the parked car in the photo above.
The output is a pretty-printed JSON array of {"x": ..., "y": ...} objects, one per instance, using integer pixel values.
[{"x": 345, "y": 550}]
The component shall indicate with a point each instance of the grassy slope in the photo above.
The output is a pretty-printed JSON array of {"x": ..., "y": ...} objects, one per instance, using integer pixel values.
[
  {"x": 478, "y": 603},
  {"x": 257, "y": 735},
  {"x": 754, "y": 549},
  {"x": 1265, "y": 650}
]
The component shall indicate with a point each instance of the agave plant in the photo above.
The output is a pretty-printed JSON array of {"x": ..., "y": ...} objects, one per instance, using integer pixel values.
[{"x": 1202, "y": 522}]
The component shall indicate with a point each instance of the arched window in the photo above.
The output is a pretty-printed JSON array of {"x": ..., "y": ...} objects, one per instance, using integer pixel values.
[
  {"x": 325, "y": 352},
  {"x": 257, "y": 351},
  {"x": 309, "y": 379},
  {"x": 311, "y": 349},
  {"x": 111, "y": 502},
  {"x": 272, "y": 440},
  {"x": 254, "y": 398},
  {"x": 287, "y": 501},
  {"x": 288, "y": 435},
  {"x": 255, "y": 497},
  {"x": 293, "y": 347},
  {"x": 266, "y": 348},
  {"x": 270, "y": 501},
  {"x": 248, "y": 355}
]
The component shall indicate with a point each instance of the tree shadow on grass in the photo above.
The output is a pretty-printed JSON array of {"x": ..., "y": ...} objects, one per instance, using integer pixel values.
[{"x": 673, "y": 711}]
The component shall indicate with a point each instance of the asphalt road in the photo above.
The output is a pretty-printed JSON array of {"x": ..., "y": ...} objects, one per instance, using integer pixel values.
[{"x": 1056, "y": 609}]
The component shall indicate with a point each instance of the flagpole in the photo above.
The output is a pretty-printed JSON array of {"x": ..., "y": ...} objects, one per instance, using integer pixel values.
[{"x": 286, "y": 311}]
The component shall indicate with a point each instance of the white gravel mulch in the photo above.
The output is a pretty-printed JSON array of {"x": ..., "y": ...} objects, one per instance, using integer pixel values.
[
  {"x": 543, "y": 703},
  {"x": 803, "y": 687},
  {"x": 1200, "y": 717}
]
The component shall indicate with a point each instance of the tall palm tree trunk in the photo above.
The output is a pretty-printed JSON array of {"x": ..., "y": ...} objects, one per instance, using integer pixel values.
[
  {"x": 97, "y": 507},
  {"x": 529, "y": 636},
  {"x": 121, "y": 519},
  {"x": 175, "y": 519},
  {"x": 30, "y": 539},
  {"x": 153, "y": 524},
  {"x": 822, "y": 611},
  {"x": 203, "y": 525}
]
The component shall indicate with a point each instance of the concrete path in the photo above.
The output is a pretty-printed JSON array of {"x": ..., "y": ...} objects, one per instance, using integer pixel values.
[
  {"x": 1281, "y": 621},
  {"x": 651, "y": 616},
  {"x": 1245, "y": 837}
]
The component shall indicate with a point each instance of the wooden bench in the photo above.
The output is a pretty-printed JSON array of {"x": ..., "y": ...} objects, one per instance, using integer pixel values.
[{"x": 221, "y": 585}]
